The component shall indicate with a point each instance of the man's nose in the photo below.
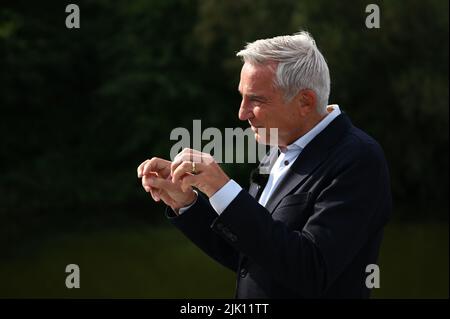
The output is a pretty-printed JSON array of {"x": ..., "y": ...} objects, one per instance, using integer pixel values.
[{"x": 245, "y": 111}]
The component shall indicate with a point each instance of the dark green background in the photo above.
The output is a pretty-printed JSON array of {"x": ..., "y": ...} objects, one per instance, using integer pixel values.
[{"x": 81, "y": 108}]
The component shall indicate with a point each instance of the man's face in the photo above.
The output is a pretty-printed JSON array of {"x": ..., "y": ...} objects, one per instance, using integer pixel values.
[{"x": 263, "y": 105}]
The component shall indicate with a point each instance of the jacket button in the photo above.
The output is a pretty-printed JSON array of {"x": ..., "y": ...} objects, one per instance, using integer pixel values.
[
  {"x": 243, "y": 272},
  {"x": 219, "y": 226}
]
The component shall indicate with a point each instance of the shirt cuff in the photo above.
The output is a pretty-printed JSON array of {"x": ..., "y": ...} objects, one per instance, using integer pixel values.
[
  {"x": 185, "y": 208},
  {"x": 224, "y": 196}
]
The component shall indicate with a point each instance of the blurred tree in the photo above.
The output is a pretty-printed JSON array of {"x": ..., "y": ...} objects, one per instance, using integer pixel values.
[{"x": 82, "y": 108}]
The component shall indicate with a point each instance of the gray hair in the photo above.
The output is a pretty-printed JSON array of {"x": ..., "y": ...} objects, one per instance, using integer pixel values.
[{"x": 300, "y": 65}]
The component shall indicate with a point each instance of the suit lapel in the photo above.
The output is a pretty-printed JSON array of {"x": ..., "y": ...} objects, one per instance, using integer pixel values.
[{"x": 311, "y": 157}]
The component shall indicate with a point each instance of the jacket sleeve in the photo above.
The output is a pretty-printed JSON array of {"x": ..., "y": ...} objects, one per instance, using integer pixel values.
[
  {"x": 345, "y": 214},
  {"x": 196, "y": 224}
]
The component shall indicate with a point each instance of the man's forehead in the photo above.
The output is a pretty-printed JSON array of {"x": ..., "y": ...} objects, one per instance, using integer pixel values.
[{"x": 255, "y": 75}]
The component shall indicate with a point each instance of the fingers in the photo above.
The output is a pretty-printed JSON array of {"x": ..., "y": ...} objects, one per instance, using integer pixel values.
[
  {"x": 140, "y": 167},
  {"x": 185, "y": 168},
  {"x": 180, "y": 169},
  {"x": 157, "y": 187},
  {"x": 157, "y": 165},
  {"x": 190, "y": 155},
  {"x": 159, "y": 183},
  {"x": 153, "y": 191},
  {"x": 156, "y": 194},
  {"x": 159, "y": 175},
  {"x": 186, "y": 155}
]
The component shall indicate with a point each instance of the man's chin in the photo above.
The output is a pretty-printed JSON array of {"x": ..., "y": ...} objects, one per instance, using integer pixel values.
[{"x": 263, "y": 139}]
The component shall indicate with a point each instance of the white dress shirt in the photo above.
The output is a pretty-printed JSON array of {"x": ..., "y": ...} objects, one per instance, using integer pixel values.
[{"x": 224, "y": 196}]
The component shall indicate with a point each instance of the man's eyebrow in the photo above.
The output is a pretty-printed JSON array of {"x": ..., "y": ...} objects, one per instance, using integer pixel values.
[
  {"x": 254, "y": 96},
  {"x": 257, "y": 97}
]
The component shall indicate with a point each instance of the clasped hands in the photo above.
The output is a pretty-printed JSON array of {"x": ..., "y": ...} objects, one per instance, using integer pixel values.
[{"x": 173, "y": 182}]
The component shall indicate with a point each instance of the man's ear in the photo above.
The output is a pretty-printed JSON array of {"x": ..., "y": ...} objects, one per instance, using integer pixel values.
[{"x": 307, "y": 100}]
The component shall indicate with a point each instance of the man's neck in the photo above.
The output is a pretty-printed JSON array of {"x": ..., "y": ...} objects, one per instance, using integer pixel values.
[{"x": 309, "y": 125}]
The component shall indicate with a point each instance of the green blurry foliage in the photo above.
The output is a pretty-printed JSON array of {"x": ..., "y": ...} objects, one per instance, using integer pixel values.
[{"x": 80, "y": 109}]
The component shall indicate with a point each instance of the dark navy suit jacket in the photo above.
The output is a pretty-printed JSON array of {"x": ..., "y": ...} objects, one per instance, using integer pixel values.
[{"x": 319, "y": 230}]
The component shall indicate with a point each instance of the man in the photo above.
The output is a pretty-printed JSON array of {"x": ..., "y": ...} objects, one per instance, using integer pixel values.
[{"x": 312, "y": 229}]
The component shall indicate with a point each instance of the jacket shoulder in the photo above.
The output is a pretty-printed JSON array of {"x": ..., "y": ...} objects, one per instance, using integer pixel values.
[{"x": 357, "y": 145}]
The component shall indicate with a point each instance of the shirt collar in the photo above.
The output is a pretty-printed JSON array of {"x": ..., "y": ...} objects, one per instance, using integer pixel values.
[{"x": 302, "y": 141}]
